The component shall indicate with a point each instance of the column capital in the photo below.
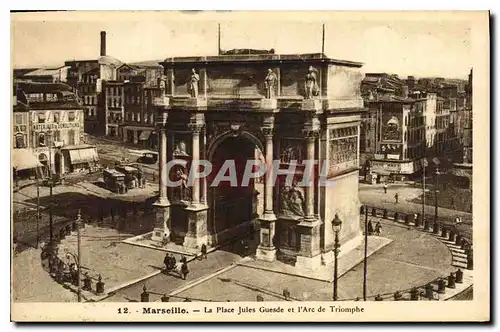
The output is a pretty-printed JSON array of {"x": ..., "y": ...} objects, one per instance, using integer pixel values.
[
  {"x": 268, "y": 132},
  {"x": 196, "y": 128},
  {"x": 310, "y": 133}
]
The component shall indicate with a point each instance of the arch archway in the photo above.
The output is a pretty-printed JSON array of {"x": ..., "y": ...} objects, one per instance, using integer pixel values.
[{"x": 233, "y": 206}]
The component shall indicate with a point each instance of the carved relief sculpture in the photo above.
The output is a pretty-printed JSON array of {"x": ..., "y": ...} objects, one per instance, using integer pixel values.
[
  {"x": 270, "y": 84},
  {"x": 180, "y": 149},
  {"x": 291, "y": 153},
  {"x": 291, "y": 201},
  {"x": 311, "y": 84},
  {"x": 193, "y": 84},
  {"x": 182, "y": 192}
]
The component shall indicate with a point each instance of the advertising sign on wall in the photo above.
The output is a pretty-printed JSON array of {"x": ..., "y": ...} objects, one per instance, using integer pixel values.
[{"x": 391, "y": 126}]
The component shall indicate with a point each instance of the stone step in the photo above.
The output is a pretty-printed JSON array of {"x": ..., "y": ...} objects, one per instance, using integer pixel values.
[
  {"x": 459, "y": 259},
  {"x": 459, "y": 254},
  {"x": 459, "y": 264}
]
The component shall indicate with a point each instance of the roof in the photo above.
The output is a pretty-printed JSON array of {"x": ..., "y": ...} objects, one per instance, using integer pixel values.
[
  {"x": 147, "y": 64},
  {"x": 264, "y": 58},
  {"x": 109, "y": 60},
  {"x": 39, "y": 87},
  {"x": 45, "y": 71},
  {"x": 22, "y": 71}
]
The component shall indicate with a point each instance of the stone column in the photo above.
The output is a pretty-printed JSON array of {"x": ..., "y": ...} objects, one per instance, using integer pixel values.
[
  {"x": 309, "y": 256},
  {"x": 266, "y": 249},
  {"x": 310, "y": 137},
  {"x": 170, "y": 82},
  {"x": 162, "y": 224},
  {"x": 197, "y": 213},
  {"x": 203, "y": 199}
]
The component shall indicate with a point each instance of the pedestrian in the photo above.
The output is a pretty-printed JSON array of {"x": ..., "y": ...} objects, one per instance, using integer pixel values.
[
  {"x": 183, "y": 259},
  {"x": 378, "y": 228},
  {"x": 396, "y": 197},
  {"x": 184, "y": 271},
  {"x": 370, "y": 228},
  {"x": 203, "y": 251},
  {"x": 166, "y": 260},
  {"x": 385, "y": 188}
]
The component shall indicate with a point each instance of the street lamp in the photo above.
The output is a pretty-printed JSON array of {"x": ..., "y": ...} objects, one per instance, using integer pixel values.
[
  {"x": 336, "y": 226},
  {"x": 436, "y": 197},
  {"x": 49, "y": 143}
]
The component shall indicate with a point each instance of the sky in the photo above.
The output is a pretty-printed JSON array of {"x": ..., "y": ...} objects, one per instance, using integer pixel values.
[{"x": 428, "y": 45}]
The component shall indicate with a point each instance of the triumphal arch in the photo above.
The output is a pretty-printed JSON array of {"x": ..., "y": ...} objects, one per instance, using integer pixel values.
[{"x": 281, "y": 110}]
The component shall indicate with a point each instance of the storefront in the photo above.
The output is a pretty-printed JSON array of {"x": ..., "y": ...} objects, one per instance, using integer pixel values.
[
  {"x": 390, "y": 171},
  {"x": 25, "y": 165},
  {"x": 81, "y": 158}
]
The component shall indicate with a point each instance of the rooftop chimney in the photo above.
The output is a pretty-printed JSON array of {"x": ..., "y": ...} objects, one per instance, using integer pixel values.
[{"x": 103, "y": 43}]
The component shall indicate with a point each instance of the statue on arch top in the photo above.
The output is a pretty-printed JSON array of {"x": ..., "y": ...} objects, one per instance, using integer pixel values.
[
  {"x": 312, "y": 89},
  {"x": 270, "y": 84},
  {"x": 193, "y": 84}
]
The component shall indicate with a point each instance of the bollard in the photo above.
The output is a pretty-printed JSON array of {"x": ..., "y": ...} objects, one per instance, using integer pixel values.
[
  {"x": 441, "y": 286},
  {"x": 165, "y": 298},
  {"x": 418, "y": 220},
  {"x": 385, "y": 213},
  {"x": 260, "y": 298},
  {"x": 451, "y": 281},
  {"x": 469, "y": 259},
  {"x": 414, "y": 294},
  {"x": 451, "y": 236},
  {"x": 374, "y": 212},
  {"x": 398, "y": 296},
  {"x": 426, "y": 224},
  {"x": 378, "y": 298},
  {"x": 458, "y": 240},
  {"x": 396, "y": 216},
  {"x": 435, "y": 228},
  {"x": 407, "y": 219},
  {"x": 429, "y": 291},
  {"x": 459, "y": 276},
  {"x": 443, "y": 232},
  {"x": 87, "y": 283},
  {"x": 99, "y": 286},
  {"x": 144, "y": 294}
]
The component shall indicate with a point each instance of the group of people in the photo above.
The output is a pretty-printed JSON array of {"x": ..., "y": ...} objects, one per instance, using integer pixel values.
[
  {"x": 377, "y": 230},
  {"x": 171, "y": 264}
]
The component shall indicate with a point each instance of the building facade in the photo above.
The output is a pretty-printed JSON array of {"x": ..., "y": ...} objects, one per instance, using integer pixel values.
[{"x": 48, "y": 125}]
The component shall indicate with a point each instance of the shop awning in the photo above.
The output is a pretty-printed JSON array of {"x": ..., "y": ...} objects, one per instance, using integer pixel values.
[
  {"x": 24, "y": 159},
  {"x": 144, "y": 136},
  {"x": 81, "y": 156}
]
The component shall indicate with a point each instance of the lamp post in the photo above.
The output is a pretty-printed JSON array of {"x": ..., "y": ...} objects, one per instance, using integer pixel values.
[
  {"x": 436, "y": 197},
  {"x": 49, "y": 143},
  {"x": 336, "y": 226}
]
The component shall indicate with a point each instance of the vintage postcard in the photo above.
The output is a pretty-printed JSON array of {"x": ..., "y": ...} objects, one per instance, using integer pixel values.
[{"x": 250, "y": 166}]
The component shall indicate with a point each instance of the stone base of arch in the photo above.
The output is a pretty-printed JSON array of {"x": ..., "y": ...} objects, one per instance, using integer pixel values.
[{"x": 197, "y": 218}]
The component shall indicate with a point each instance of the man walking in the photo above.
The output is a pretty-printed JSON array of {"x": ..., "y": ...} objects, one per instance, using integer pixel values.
[
  {"x": 203, "y": 251},
  {"x": 184, "y": 271},
  {"x": 396, "y": 197},
  {"x": 385, "y": 188}
]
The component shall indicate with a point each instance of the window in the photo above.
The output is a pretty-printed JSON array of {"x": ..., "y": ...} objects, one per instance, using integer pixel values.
[
  {"x": 132, "y": 115},
  {"x": 19, "y": 141},
  {"x": 41, "y": 117},
  {"x": 138, "y": 117},
  {"x": 56, "y": 117},
  {"x": 41, "y": 140},
  {"x": 71, "y": 137},
  {"x": 71, "y": 116},
  {"x": 19, "y": 119},
  {"x": 57, "y": 136}
]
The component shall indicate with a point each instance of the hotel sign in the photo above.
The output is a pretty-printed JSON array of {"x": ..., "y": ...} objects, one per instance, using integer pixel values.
[{"x": 55, "y": 126}]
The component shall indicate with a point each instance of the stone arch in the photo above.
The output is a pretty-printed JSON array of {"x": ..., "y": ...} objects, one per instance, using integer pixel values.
[{"x": 212, "y": 146}]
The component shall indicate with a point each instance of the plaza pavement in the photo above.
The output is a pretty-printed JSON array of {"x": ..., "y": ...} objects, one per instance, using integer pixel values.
[
  {"x": 373, "y": 195},
  {"x": 413, "y": 258}
]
